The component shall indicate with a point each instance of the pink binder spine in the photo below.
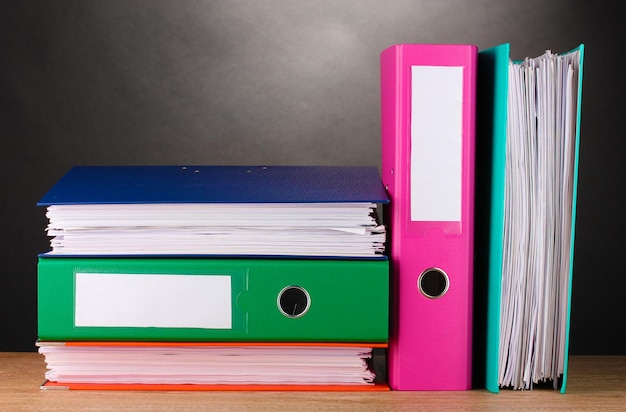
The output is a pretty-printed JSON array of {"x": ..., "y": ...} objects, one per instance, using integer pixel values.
[{"x": 431, "y": 337}]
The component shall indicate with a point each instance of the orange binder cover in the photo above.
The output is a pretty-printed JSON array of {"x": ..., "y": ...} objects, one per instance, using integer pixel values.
[{"x": 379, "y": 387}]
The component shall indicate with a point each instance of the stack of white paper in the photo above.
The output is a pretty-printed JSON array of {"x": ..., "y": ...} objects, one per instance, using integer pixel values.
[
  {"x": 207, "y": 364},
  {"x": 279, "y": 229},
  {"x": 538, "y": 214}
]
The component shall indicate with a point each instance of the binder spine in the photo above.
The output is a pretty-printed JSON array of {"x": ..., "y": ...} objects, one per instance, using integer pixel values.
[{"x": 431, "y": 247}]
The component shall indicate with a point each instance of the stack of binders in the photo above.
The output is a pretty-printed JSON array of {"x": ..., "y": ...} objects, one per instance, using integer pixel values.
[{"x": 214, "y": 277}]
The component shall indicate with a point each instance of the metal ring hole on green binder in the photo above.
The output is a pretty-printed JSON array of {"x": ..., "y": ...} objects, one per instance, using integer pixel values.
[
  {"x": 294, "y": 301},
  {"x": 433, "y": 283}
]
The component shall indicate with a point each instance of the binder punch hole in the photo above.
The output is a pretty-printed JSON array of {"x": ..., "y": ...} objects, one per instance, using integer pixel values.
[
  {"x": 433, "y": 283},
  {"x": 293, "y": 301}
]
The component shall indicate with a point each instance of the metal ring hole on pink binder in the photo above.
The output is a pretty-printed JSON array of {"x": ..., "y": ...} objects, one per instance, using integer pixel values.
[
  {"x": 293, "y": 301},
  {"x": 433, "y": 283}
]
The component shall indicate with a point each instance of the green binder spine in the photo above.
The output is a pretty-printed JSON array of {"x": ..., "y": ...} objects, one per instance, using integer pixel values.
[{"x": 111, "y": 299}]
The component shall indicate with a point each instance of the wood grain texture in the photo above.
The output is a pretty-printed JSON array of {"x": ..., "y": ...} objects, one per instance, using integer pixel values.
[{"x": 594, "y": 383}]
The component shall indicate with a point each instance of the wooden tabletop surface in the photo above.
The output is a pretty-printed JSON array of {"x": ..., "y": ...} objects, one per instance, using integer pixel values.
[{"x": 594, "y": 383}]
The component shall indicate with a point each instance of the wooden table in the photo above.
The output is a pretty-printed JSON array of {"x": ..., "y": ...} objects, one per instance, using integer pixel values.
[{"x": 594, "y": 383}]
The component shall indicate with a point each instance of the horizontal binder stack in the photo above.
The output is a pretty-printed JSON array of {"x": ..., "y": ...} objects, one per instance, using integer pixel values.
[{"x": 214, "y": 277}]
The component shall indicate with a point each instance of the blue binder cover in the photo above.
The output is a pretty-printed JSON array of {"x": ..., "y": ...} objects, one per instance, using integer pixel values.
[{"x": 216, "y": 184}]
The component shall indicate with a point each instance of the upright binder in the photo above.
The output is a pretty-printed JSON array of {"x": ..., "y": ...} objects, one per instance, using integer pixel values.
[
  {"x": 428, "y": 119},
  {"x": 496, "y": 122},
  {"x": 183, "y": 299}
]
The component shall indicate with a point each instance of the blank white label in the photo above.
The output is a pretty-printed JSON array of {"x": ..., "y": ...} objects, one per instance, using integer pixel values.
[
  {"x": 147, "y": 300},
  {"x": 436, "y": 143}
]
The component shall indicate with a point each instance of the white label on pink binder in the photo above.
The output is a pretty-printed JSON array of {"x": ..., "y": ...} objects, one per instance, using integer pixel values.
[
  {"x": 436, "y": 143},
  {"x": 151, "y": 300}
]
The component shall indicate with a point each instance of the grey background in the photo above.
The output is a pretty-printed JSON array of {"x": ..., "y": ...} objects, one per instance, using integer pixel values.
[{"x": 275, "y": 83}]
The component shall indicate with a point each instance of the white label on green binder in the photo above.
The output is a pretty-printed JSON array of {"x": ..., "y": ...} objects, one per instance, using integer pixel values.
[
  {"x": 436, "y": 143},
  {"x": 151, "y": 300}
]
